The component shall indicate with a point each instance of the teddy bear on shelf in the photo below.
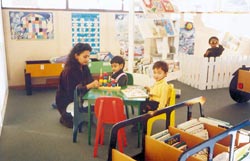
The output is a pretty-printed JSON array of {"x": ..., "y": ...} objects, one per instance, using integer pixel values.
[{"x": 216, "y": 49}]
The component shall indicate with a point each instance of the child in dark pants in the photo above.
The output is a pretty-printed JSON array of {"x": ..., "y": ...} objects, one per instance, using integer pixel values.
[{"x": 159, "y": 92}]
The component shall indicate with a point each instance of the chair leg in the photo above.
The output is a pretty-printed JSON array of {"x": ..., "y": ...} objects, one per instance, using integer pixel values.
[
  {"x": 132, "y": 109},
  {"x": 80, "y": 126},
  {"x": 102, "y": 136},
  {"x": 97, "y": 137},
  {"x": 124, "y": 139},
  {"x": 120, "y": 146},
  {"x": 126, "y": 110},
  {"x": 75, "y": 129}
]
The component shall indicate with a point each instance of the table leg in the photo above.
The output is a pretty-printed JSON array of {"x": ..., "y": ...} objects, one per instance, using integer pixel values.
[
  {"x": 89, "y": 123},
  {"x": 28, "y": 84},
  {"x": 139, "y": 126}
]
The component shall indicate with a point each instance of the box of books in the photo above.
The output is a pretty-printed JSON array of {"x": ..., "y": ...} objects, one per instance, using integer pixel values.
[
  {"x": 160, "y": 151},
  {"x": 192, "y": 140}
]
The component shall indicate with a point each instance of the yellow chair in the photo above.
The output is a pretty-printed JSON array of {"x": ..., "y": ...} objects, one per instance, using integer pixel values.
[{"x": 171, "y": 102}]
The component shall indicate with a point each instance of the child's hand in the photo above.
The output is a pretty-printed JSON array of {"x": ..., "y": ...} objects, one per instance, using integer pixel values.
[{"x": 147, "y": 89}]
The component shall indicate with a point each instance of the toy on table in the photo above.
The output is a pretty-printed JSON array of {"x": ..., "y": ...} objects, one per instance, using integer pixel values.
[{"x": 106, "y": 83}]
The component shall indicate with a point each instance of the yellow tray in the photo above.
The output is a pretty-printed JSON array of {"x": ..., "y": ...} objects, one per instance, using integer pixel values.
[{"x": 116, "y": 88}]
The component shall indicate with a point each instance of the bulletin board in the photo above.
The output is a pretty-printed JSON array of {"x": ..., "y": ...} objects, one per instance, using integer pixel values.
[
  {"x": 31, "y": 25},
  {"x": 86, "y": 29}
]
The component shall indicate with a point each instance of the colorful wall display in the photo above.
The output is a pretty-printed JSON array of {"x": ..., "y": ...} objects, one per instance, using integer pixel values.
[
  {"x": 186, "y": 39},
  {"x": 157, "y": 6},
  {"x": 86, "y": 28},
  {"x": 31, "y": 25},
  {"x": 121, "y": 25}
]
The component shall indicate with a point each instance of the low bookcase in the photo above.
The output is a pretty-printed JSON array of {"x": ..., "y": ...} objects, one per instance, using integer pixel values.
[{"x": 221, "y": 140}]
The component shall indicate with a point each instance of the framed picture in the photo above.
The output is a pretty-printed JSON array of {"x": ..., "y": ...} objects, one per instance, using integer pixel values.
[{"x": 169, "y": 27}]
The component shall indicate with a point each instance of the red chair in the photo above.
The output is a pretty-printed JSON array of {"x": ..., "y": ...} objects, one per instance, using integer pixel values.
[{"x": 109, "y": 110}]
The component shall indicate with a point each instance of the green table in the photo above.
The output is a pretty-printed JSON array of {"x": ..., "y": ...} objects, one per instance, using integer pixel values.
[{"x": 95, "y": 93}]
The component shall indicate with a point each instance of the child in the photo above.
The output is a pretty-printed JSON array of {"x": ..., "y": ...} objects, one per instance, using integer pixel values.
[
  {"x": 117, "y": 65},
  {"x": 216, "y": 49},
  {"x": 159, "y": 92}
]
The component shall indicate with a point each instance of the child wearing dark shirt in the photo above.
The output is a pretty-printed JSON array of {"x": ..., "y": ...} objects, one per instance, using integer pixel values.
[
  {"x": 117, "y": 65},
  {"x": 216, "y": 49}
]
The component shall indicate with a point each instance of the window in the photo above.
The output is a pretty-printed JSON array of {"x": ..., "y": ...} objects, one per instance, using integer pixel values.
[
  {"x": 119, "y": 5},
  {"x": 96, "y": 4},
  {"x": 53, "y": 4}
]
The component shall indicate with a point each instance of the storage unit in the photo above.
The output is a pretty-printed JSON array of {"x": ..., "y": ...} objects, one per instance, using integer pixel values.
[
  {"x": 51, "y": 71},
  {"x": 155, "y": 150},
  {"x": 39, "y": 69}
]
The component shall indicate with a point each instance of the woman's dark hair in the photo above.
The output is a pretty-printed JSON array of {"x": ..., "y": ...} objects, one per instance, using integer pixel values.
[
  {"x": 213, "y": 37},
  {"x": 118, "y": 60},
  {"x": 77, "y": 49},
  {"x": 161, "y": 65}
]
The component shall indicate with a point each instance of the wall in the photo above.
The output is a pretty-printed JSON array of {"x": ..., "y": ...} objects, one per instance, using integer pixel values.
[
  {"x": 3, "y": 75},
  {"x": 18, "y": 51}
]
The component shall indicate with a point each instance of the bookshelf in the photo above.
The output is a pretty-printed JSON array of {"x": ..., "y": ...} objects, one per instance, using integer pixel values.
[{"x": 222, "y": 141}]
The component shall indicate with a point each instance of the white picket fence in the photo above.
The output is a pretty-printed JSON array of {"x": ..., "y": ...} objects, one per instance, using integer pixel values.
[{"x": 210, "y": 73}]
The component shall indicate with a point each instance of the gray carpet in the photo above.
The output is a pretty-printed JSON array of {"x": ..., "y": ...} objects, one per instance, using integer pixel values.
[{"x": 32, "y": 132}]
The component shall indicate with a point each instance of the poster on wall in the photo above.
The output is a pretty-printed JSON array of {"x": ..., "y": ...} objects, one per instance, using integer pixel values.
[
  {"x": 231, "y": 42},
  {"x": 157, "y": 6},
  {"x": 186, "y": 39},
  {"x": 31, "y": 25},
  {"x": 165, "y": 27},
  {"x": 121, "y": 25},
  {"x": 86, "y": 29}
]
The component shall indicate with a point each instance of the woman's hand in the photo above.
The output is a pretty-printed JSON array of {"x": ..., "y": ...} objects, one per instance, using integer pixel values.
[{"x": 94, "y": 84}]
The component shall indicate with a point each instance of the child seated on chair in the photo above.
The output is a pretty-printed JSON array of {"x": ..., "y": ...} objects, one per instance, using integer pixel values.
[
  {"x": 117, "y": 65},
  {"x": 158, "y": 95}
]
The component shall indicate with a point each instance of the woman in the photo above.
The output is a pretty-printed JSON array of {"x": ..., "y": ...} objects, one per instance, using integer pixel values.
[{"x": 75, "y": 72}]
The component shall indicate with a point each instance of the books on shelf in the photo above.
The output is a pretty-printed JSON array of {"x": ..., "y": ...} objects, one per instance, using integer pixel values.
[
  {"x": 242, "y": 153},
  {"x": 203, "y": 134},
  {"x": 188, "y": 124},
  {"x": 194, "y": 127},
  {"x": 173, "y": 139},
  {"x": 164, "y": 137},
  {"x": 215, "y": 122},
  {"x": 134, "y": 92},
  {"x": 160, "y": 134}
]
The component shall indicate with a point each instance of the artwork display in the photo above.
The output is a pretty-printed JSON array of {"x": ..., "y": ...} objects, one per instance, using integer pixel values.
[
  {"x": 157, "y": 6},
  {"x": 121, "y": 24},
  {"x": 167, "y": 25},
  {"x": 86, "y": 29},
  {"x": 31, "y": 25},
  {"x": 186, "y": 39},
  {"x": 231, "y": 42}
]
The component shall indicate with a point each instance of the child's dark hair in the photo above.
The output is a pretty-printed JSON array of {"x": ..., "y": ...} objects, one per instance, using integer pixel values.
[
  {"x": 162, "y": 65},
  {"x": 213, "y": 37},
  {"x": 118, "y": 60}
]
